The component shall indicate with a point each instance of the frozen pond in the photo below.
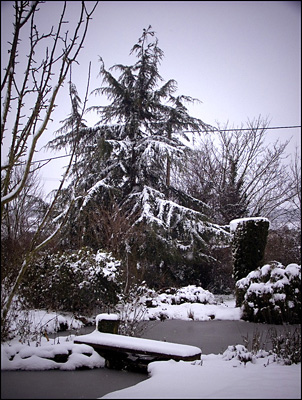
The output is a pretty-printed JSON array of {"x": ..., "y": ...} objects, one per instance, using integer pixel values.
[
  {"x": 213, "y": 336},
  {"x": 79, "y": 384},
  {"x": 210, "y": 336}
]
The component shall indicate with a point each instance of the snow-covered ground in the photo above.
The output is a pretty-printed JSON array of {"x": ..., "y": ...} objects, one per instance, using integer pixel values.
[
  {"x": 235, "y": 373},
  {"x": 216, "y": 378},
  {"x": 215, "y": 307}
]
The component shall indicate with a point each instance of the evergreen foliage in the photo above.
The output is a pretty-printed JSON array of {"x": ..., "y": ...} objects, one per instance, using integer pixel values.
[
  {"x": 271, "y": 294},
  {"x": 125, "y": 161},
  {"x": 232, "y": 201},
  {"x": 248, "y": 245}
]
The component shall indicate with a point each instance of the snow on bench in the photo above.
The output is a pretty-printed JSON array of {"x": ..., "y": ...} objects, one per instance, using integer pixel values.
[{"x": 109, "y": 344}]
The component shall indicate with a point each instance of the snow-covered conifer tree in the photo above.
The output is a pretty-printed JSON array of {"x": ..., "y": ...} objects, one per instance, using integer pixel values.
[{"x": 125, "y": 160}]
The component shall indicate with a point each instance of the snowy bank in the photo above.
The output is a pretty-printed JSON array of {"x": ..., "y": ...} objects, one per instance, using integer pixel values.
[
  {"x": 222, "y": 308},
  {"x": 64, "y": 355},
  {"x": 224, "y": 375},
  {"x": 216, "y": 378}
]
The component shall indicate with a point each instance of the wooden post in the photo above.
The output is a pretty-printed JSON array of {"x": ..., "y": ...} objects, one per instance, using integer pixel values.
[{"x": 107, "y": 323}]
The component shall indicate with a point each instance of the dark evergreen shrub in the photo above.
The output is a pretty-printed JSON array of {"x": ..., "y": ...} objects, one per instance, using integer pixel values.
[
  {"x": 248, "y": 244},
  {"x": 271, "y": 294}
]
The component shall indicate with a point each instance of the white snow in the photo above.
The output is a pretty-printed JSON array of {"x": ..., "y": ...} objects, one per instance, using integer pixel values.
[
  {"x": 199, "y": 312},
  {"x": 215, "y": 376},
  {"x": 47, "y": 321},
  {"x": 24, "y": 357},
  {"x": 92, "y": 190},
  {"x": 139, "y": 344},
  {"x": 240, "y": 221},
  {"x": 106, "y": 316},
  {"x": 274, "y": 278},
  {"x": 192, "y": 302}
]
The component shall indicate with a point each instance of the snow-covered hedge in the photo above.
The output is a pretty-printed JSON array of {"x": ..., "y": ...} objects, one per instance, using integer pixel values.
[
  {"x": 74, "y": 281},
  {"x": 271, "y": 294}
]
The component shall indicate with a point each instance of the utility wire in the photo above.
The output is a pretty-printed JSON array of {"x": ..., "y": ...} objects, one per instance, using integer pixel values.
[
  {"x": 248, "y": 129},
  {"x": 220, "y": 130}
]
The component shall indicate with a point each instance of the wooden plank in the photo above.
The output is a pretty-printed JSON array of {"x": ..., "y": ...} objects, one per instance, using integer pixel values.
[
  {"x": 114, "y": 344},
  {"x": 167, "y": 356}
]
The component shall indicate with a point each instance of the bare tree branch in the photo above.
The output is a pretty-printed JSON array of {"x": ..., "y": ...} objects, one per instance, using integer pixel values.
[
  {"x": 38, "y": 82},
  {"x": 39, "y": 87},
  {"x": 237, "y": 174}
]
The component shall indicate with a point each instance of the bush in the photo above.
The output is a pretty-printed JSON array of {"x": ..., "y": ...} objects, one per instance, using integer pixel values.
[
  {"x": 271, "y": 294},
  {"x": 287, "y": 347},
  {"x": 248, "y": 246},
  {"x": 185, "y": 294},
  {"x": 131, "y": 309},
  {"x": 78, "y": 281}
]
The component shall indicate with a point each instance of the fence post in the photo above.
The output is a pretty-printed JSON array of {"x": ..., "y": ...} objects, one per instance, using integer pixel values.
[{"x": 107, "y": 323}]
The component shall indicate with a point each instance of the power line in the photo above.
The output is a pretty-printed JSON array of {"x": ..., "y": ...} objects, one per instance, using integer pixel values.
[
  {"x": 220, "y": 130},
  {"x": 248, "y": 129}
]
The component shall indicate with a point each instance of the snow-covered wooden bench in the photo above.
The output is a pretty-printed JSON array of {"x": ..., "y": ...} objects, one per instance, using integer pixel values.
[{"x": 135, "y": 353}]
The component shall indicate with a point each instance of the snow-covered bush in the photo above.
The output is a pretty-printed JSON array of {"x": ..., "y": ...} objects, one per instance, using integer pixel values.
[
  {"x": 239, "y": 352},
  {"x": 186, "y": 294},
  {"x": 79, "y": 281},
  {"x": 248, "y": 246},
  {"x": 286, "y": 348},
  {"x": 271, "y": 294}
]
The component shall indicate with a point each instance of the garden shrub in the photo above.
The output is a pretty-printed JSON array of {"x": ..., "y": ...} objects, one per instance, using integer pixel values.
[
  {"x": 287, "y": 346},
  {"x": 77, "y": 281},
  {"x": 185, "y": 294},
  {"x": 248, "y": 244},
  {"x": 271, "y": 294}
]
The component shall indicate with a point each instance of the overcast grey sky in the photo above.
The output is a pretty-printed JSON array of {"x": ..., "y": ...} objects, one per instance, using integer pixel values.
[{"x": 242, "y": 59}]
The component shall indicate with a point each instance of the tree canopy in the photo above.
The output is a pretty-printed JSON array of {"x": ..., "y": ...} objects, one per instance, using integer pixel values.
[{"x": 126, "y": 159}]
